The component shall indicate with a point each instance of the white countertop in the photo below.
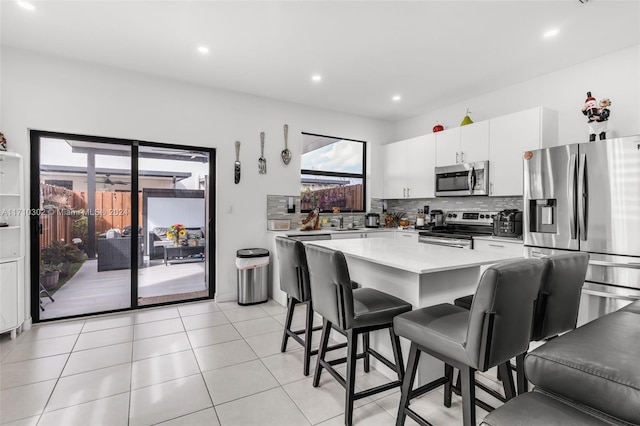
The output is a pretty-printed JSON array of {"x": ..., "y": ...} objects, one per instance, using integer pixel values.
[
  {"x": 412, "y": 257},
  {"x": 331, "y": 230}
]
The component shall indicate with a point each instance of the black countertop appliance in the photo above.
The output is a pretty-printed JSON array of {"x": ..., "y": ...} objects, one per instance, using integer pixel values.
[{"x": 508, "y": 223}]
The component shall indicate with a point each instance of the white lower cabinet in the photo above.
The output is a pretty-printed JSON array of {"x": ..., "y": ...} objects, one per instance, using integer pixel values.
[
  {"x": 9, "y": 297},
  {"x": 515, "y": 248}
]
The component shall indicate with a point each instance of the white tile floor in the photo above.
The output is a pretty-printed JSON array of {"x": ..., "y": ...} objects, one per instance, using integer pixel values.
[{"x": 203, "y": 363}]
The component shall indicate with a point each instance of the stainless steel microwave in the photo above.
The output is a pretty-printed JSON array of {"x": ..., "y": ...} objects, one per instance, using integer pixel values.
[{"x": 463, "y": 179}]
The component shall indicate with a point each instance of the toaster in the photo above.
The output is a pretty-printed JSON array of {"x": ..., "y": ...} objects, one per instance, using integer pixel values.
[{"x": 508, "y": 223}]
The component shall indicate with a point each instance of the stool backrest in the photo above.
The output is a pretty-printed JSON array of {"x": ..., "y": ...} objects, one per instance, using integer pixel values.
[
  {"x": 330, "y": 285},
  {"x": 559, "y": 296},
  {"x": 502, "y": 312},
  {"x": 294, "y": 273}
]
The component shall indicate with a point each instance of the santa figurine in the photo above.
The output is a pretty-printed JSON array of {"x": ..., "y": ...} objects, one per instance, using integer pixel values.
[{"x": 597, "y": 115}]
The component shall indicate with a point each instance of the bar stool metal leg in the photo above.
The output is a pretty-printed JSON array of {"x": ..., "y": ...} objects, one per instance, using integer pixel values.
[
  {"x": 324, "y": 341},
  {"x": 407, "y": 384},
  {"x": 287, "y": 324},
  {"x": 352, "y": 350},
  {"x": 307, "y": 339}
]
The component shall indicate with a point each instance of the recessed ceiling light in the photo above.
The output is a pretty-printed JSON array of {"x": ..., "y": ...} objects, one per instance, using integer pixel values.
[
  {"x": 203, "y": 49},
  {"x": 26, "y": 5},
  {"x": 551, "y": 33},
  {"x": 316, "y": 77},
  {"x": 396, "y": 98}
]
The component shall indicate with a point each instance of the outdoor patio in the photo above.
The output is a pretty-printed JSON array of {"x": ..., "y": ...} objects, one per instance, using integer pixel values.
[{"x": 91, "y": 291}]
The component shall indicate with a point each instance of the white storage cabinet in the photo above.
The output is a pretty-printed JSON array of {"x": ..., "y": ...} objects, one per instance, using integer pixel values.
[
  {"x": 511, "y": 135},
  {"x": 12, "y": 240},
  {"x": 409, "y": 168},
  {"x": 465, "y": 144}
]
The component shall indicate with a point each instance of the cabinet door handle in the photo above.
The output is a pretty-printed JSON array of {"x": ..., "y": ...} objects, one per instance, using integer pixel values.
[
  {"x": 490, "y": 188},
  {"x": 457, "y": 154},
  {"x": 496, "y": 245},
  {"x": 462, "y": 156},
  {"x": 408, "y": 192},
  {"x": 404, "y": 192}
]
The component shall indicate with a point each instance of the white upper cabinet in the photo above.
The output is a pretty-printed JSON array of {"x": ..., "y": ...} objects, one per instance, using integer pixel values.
[
  {"x": 474, "y": 142},
  {"x": 448, "y": 147},
  {"x": 465, "y": 144},
  {"x": 511, "y": 135},
  {"x": 409, "y": 168}
]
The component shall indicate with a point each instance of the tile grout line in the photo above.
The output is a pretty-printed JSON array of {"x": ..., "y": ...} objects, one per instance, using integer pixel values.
[{"x": 199, "y": 370}]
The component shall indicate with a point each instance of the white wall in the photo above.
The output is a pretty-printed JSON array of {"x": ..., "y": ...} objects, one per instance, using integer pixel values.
[
  {"x": 615, "y": 76},
  {"x": 163, "y": 212},
  {"x": 47, "y": 93}
]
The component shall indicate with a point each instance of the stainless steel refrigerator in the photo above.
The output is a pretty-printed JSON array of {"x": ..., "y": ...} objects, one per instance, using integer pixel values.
[{"x": 586, "y": 197}]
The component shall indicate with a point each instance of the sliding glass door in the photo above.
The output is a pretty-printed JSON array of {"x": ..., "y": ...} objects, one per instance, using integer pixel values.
[
  {"x": 174, "y": 225},
  {"x": 121, "y": 224}
]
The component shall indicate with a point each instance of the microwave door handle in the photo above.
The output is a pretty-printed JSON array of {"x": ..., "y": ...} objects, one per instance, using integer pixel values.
[
  {"x": 582, "y": 197},
  {"x": 571, "y": 188},
  {"x": 470, "y": 177}
]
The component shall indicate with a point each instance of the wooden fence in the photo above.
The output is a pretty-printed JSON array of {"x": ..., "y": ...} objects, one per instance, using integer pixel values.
[
  {"x": 61, "y": 209},
  {"x": 346, "y": 197}
]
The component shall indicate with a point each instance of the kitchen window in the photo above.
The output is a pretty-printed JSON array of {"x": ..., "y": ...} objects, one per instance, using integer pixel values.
[{"x": 332, "y": 173}]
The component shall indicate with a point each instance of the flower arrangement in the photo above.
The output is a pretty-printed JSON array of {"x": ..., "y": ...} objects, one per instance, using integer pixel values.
[{"x": 176, "y": 231}]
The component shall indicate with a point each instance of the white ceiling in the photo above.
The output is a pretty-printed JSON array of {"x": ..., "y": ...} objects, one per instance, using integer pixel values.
[{"x": 432, "y": 53}]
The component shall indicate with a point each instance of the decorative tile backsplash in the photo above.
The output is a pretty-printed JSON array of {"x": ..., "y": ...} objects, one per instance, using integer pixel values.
[
  {"x": 278, "y": 205},
  {"x": 411, "y": 206},
  {"x": 277, "y": 208}
]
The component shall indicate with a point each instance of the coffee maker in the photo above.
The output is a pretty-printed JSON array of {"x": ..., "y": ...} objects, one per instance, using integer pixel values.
[{"x": 437, "y": 218}]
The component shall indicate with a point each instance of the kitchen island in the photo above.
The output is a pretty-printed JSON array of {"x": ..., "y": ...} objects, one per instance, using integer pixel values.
[{"x": 421, "y": 274}]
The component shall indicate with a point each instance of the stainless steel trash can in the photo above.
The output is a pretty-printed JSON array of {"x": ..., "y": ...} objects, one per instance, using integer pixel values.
[{"x": 253, "y": 275}]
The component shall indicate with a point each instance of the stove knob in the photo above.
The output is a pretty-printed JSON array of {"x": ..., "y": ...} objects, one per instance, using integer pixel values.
[
  {"x": 455, "y": 215},
  {"x": 449, "y": 215},
  {"x": 481, "y": 216}
]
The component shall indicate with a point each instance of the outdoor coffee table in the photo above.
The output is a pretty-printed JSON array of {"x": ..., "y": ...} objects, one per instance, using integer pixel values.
[{"x": 181, "y": 254}]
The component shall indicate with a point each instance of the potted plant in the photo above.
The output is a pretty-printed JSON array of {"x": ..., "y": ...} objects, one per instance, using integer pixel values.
[{"x": 50, "y": 274}]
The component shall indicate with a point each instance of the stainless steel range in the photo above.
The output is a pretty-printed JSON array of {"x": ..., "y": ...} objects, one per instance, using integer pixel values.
[{"x": 459, "y": 229}]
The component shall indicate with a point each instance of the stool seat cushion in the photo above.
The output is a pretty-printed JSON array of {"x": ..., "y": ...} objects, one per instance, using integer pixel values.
[
  {"x": 372, "y": 307},
  {"x": 441, "y": 327},
  {"x": 536, "y": 408},
  {"x": 601, "y": 355}
]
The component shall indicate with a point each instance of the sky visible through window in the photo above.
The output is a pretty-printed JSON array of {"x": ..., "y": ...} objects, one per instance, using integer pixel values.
[{"x": 342, "y": 156}]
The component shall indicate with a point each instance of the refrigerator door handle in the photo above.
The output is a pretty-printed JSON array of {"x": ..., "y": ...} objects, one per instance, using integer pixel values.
[
  {"x": 632, "y": 265},
  {"x": 571, "y": 187},
  {"x": 582, "y": 198},
  {"x": 609, "y": 295}
]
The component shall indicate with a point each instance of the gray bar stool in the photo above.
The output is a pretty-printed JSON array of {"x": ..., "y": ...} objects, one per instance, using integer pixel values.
[
  {"x": 294, "y": 280},
  {"x": 556, "y": 309},
  {"x": 497, "y": 328},
  {"x": 351, "y": 312}
]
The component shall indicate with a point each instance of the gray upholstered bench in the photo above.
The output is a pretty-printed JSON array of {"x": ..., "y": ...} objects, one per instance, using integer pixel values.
[{"x": 589, "y": 376}]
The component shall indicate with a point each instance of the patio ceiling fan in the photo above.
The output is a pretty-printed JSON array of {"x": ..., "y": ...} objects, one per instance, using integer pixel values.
[{"x": 107, "y": 181}]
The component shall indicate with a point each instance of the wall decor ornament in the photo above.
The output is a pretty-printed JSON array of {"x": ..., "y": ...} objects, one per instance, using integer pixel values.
[
  {"x": 3, "y": 142},
  {"x": 466, "y": 120},
  {"x": 438, "y": 127},
  {"x": 597, "y": 116}
]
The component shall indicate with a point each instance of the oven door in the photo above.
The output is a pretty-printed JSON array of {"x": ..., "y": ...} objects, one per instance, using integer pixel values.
[
  {"x": 448, "y": 242},
  {"x": 462, "y": 179}
]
